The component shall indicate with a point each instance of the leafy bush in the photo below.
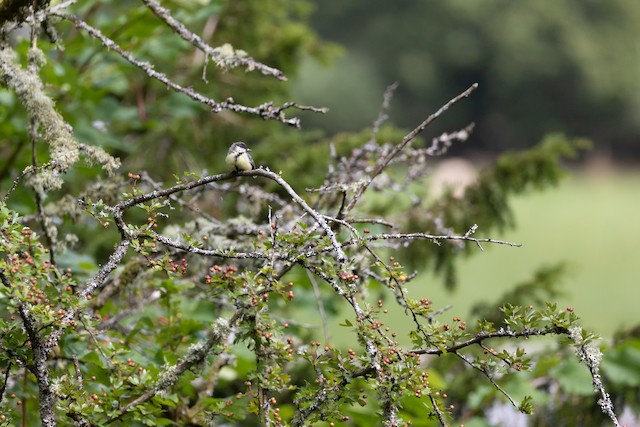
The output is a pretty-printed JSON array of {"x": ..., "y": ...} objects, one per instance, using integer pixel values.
[{"x": 128, "y": 301}]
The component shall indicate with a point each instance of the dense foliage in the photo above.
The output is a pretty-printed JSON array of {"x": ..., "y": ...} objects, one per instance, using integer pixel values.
[{"x": 138, "y": 288}]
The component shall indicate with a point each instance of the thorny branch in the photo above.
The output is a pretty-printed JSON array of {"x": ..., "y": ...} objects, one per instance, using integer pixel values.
[{"x": 120, "y": 207}]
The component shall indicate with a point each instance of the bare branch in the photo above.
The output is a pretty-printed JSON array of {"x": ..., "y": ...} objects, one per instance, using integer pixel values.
[
  {"x": 384, "y": 110},
  {"x": 220, "y": 253},
  {"x": 412, "y": 236},
  {"x": 502, "y": 333},
  {"x": 441, "y": 144},
  {"x": 436, "y": 409},
  {"x": 267, "y": 110},
  {"x": 218, "y": 54},
  {"x": 488, "y": 377},
  {"x": 384, "y": 162},
  {"x": 591, "y": 356},
  {"x": 4, "y": 383},
  {"x": 370, "y": 221},
  {"x": 95, "y": 283},
  {"x": 321, "y": 310}
]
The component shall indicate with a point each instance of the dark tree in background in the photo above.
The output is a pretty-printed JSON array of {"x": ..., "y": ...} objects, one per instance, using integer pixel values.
[{"x": 542, "y": 66}]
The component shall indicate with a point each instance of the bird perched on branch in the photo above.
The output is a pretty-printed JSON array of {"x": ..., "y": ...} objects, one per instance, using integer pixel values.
[{"x": 238, "y": 157}]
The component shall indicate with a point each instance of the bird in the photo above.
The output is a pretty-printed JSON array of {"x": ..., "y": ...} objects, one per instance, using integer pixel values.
[{"x": 238, "y": 157}]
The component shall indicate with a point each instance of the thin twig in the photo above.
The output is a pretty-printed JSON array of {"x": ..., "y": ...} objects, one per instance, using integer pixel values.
[
  {"x": 383, "y": 115},
  {"x": 6, "y": 379},
  {"x": 437, "y": 410},
  {"x": 45, "y": 222},
  {"x": 76, "y": 366},
  {"x": 384, "y": 162},
  {"x": 11, "y": 159},
  {"x": 321, "y": 310},
  {"x": 488, "y": 377},
  {"x": 441, "y": 144},
  {"x": 220, "y": 253},
  {"x": 370, "y": 221},
  {"x": 144, "y": 176},
  {"x": 14, "y": 184},
  {"x": 413, "y": 236}
]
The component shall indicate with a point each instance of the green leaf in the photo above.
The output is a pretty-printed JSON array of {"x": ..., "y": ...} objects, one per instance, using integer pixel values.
[
  {"x": 573, "y": 377},
  {"x": 621, "y": 364}
]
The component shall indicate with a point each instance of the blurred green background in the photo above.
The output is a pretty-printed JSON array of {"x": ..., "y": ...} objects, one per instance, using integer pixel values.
[
  {"x": 589, "y": 222},
  {"x": 544, "y": 66}
]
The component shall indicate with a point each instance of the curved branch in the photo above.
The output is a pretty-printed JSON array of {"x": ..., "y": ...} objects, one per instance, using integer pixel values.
[{"x": 319, "y": 218}]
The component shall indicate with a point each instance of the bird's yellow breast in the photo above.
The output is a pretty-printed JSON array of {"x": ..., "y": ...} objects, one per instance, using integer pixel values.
[
  {"x": 231, "y": 161},
  {"x": 243, "y": 162}
]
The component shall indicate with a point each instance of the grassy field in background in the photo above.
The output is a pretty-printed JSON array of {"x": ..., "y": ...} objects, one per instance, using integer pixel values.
[{"x": 590, "y": 221}]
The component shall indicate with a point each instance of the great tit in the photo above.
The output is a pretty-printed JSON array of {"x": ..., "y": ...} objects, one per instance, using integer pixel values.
[{"x": 238, "y": 157}]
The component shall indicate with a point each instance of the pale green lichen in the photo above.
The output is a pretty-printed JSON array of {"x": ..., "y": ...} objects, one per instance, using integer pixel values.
[
  {"x": 28, "y": 87},
  {"x": 36, "y": 56},
  {"x": 168, "y": 378},
  {"x": 64, "y": 149},
  {"x": 44, "y": 181},
  {"x": 195, "y": 354},
  {"x": 226, "y": 56},
  {"x": 50, "y": 228},
  {"x": 591, "y": 356},
  {"x": 98, "y": 155},
  {"x": 70, "y": 240}
]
